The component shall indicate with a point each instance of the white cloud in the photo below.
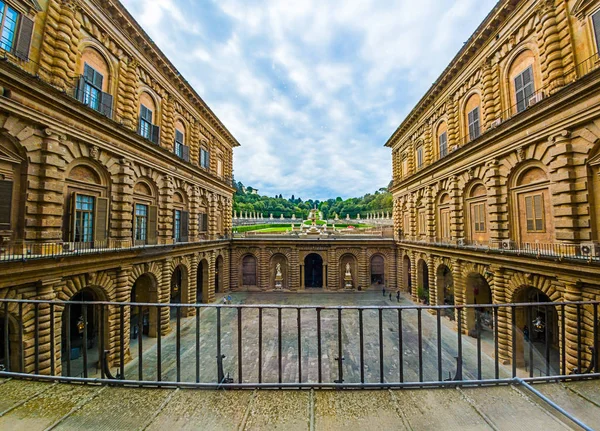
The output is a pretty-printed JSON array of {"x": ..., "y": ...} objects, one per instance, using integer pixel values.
[{"x": 312, "y": 89}]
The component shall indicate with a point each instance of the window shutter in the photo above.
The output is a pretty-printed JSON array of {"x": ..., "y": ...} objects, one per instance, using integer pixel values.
[
  {"x": 101, "y": 220},
  {"x": 529, "y": 212},
  {"x": 88, "y": 73},
  {"x": 98, "y": 80},
  {"x": 80, "y": 89},
  {"x": 185, "y": 153},
  {"x": 155, "y": 134},
  {"x": 538, "y": 208},
  {"x": 6, "y": 188},
  {"x": 24, "y": 38},
  {"x": 106, "y": 102},
  {"x": 146, "y": 114},
  {"x": 175, "y": 224},
  {"x": 134, "y": 226},
  {"x": 178, "y": 136},
  {"x": 152, "y": 224},
  {"x": 185, "y": 221},
  {"x": 596, "y": 22},
  {"x": 71, "y": 216}
]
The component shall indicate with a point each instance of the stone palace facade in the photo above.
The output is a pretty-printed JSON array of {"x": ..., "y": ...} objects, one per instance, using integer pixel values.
[{"x": 496, "y": 171}]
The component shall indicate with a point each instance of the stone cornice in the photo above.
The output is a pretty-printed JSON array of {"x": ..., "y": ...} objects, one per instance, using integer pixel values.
[
  {"x": 130, "y": 29},
  {"x": 486, "y": 29},
  {"x": 64, "y": 105}
]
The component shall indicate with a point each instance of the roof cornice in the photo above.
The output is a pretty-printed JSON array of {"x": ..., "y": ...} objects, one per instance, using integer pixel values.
[
  {"x": 115, "y": 10},
  {"x": 487, "y": 28}
]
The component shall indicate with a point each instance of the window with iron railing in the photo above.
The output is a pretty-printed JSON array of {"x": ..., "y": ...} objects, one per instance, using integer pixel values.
[
  {"x": 89, "y": 91},
  {"x": 145, "y": 127}
]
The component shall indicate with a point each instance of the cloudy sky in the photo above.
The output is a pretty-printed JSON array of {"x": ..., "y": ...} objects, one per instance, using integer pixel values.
[{"x": 312, "y": 89}]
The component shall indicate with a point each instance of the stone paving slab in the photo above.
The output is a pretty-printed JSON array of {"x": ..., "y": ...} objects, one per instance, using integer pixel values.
[
  {"x": 37, "y": 406},
  {"x": 500, "y": 406},
  {"x": 118, "y": 409},
  {"x": 280, "y": 410},
  {"x": 207, "y": 410},
  {"x": 363, "y": 410},
  {"x": 581, "y": 399},
  {"x": 48, "y": 407}
]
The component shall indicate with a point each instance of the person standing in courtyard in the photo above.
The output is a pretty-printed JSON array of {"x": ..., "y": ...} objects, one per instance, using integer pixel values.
[
  {"x": 398, "y": 296},
  {"x": 390, "y": 296},
  {"x": 383, "y": 290}
]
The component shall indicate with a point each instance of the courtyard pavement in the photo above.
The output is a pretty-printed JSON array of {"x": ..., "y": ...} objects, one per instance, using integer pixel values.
[
  {"x": 309, "y": 357},
  {"x": 33, "y": 406}
]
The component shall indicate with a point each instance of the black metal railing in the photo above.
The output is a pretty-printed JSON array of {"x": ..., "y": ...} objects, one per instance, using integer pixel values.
[
  {"x": 30, "y": 250},
  {"x": 249, "y": 346},
  {"x": 586, "y": 252}
]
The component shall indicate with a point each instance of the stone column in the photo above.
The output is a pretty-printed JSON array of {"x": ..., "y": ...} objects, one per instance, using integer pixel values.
[
  {"x": 566, "y": 187},
  {"x": 192, "y": 286},
  {"x": 122, "y": 294},
  {"x": 460, "y": 294},
  {"x": 363, "y": 270},
  {"x": 165, "y": 211},
  {"x": 164, "y": 297},
  {"x": 264, "y": 270},
  {"x": 430, "y": 214},
  {"x": 573, "y": 293},
  {"x": 211, "y": 277},
  {"x": 456, "y": 208},
  {"x": 121, "y": 216},
  {"x": 127, "y": 94},
  {"x": 333, "y": 274},
  {"x": 504, "y": 316},
  {"x": 496, "y": 203},
  {"x": 488, "y": 114},
  {"x": 45, "y": 192},
  {"x": 414, "y": 276},
  {"x": 294, "y": 270},
  {"x": 212, "y": 215},
  {"x": 167, "y": 126},
  {"x": 46, "y": 291},
  {"x": 432, "y": 281},
  {"x": 549, "y": 46},
  {"x": 453, "y": 123}
]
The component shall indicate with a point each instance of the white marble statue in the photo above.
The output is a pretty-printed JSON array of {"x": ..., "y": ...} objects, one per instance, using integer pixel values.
[
  {"x": 278, "y": 269},
  {"x": 348, "y": 273}
]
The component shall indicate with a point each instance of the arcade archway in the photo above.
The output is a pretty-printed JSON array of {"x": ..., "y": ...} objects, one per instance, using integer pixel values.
[
  {"x": 406, "y": 275},
  {"x": 202, "y": 282},
  {"x": 478, "y": 292},
  {"x": 313, "y": 271},
  {"x": 377, "y": 270},
  {"x": 423, "y": 280}
]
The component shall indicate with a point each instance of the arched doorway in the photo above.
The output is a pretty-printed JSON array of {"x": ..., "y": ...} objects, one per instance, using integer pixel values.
[
  {"x": 478, "y": 291},
  {"x": 202, "y": 282},
  {"x": 445, "y": 285},
  {"x": 81, "y": 323},
  {"x": 179, "y": 288},
  {"x": 248, "y": 271},
  {"x": 219, "y": 274},
  {"x": 423, "y": 280},
  {"x": 9, "y": 359},
  {"x": 406, "y": 275},
  {"x": 313, "y": 271},
  {"x": 377, "y": 270},
  {"x": 144, "y": 290},
  {"x": 538, "y": 324}
]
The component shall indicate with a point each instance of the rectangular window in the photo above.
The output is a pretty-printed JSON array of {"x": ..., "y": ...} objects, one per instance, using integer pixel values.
[
  {"x": 422, "y": 223},
  {"x": 443, "y": 141},
  {"x": 524, "y": 88},
  {"x": 534, "y": 209},
  {"x": 179, "y": 144},
  {"x": 141, "y": 222},
  {"x": 177, "y": 226},
  {"x": 220, "y": 167},
  {"x": 202, "y": 222},
  {"x": 419, "y": 157},
  {"x": 405, "y": 166},
  {"x": 479, "y": 217},
  {"x": 596, "y": 23},
  {"x": 445, "y": 223},
  {"x": 474, "y": 130},
  {"x": 84, "y": 218},
  {"x": 6, "y": 195},
  {"x": 8, "y": 26},
  {"x": 204, "y": 160},
  {"x": 145, "y": 122}
]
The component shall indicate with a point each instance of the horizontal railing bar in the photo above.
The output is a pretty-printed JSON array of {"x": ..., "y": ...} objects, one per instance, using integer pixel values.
[
  {"x": 302, "y": 307},
  {"x": 292, "y": 385}
]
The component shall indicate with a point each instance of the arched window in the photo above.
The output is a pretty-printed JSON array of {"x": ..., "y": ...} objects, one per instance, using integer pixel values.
[
  {"x": 472, "y": 117},
  {"x": 181, "y": 150},
  {"x": 181, "y": 218},
  {"x": 93, "y": 83},
  {"x": 87, "y": 205},
  {"x": 442, "y": 139},
  {"x": 147, "y": 120},
  {"x": 444, "y": 218},
  {"x": 523, "y": 81},
  {"x": 145, "y": 214},
  {"x": 532, "y": 208},
  {"x": 477, "y": 213}
]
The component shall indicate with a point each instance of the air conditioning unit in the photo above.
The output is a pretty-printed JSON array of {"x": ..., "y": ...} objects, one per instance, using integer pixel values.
[
  {"x": 68, "y": 247},
  {"x": 453, "y": 148},
  {"x": 507, "y": 244},
  {"x": 535, "y": 99},
  {"x": 496, "y": 123},
  {"x": 590, "y": 249}
]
